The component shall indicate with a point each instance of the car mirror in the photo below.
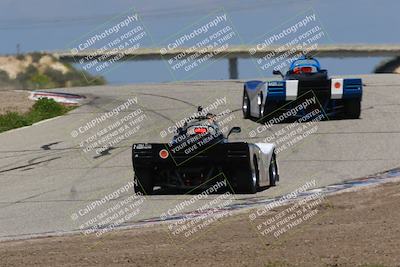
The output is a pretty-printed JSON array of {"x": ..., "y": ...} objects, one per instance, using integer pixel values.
[
  {"x": 234, "y": 130},
  {"x": 277, "y": 72}
]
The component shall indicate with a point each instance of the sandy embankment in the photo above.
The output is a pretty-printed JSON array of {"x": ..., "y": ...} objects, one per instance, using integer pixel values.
[{"x": 351, "y": 229}]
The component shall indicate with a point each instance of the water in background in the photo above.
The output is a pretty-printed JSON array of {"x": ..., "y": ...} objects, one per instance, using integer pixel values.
[{"x": 53, "y": 25}]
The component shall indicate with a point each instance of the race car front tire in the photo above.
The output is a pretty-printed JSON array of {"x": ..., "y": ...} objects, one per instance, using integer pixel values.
[
  {"x": 273, "y": 171},
  {"x": 143, "y": 182},
  {"x": 246, "y": 105},
  {"x": 260, "y": 106},
  {"x": 352, "y": 108},
  {"x": 269, "y": 110}
]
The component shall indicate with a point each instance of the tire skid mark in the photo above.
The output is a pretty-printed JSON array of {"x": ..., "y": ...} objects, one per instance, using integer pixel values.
[
  {"x": 23, "y": 200},
  {"x": 30, "y": 163},
  {"x": 169, "y": 97}
]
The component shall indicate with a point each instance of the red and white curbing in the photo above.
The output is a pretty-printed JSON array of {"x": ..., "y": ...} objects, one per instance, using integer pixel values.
[{"x": 63, "y": 98}]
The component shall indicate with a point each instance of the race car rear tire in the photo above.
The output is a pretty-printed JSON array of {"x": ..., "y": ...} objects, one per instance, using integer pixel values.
[
  {"x": 247, "y": 183},
  {"x": 273, "y": 171},
  {"x": 143, "y": 182},
  {"x": 246, "y": 105},
  {"x": 352, "y": 108},
  {"x": 269, "y": 110}
]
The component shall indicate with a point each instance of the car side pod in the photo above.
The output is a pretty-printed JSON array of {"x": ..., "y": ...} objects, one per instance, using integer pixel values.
[{"x": 251, "y": 94}]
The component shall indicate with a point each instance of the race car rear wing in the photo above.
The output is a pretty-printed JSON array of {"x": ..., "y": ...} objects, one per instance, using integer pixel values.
[{"x": 335, "y": 88}]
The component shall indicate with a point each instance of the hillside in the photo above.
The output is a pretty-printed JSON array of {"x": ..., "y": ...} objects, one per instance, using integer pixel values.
[{"x": 41, "y": 71}]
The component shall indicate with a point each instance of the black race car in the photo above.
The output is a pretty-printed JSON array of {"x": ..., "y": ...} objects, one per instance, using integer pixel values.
[{"x": 200, "y": 153}]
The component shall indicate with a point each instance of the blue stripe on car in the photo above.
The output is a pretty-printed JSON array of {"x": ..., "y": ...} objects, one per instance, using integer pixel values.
[
  {"x": 276, "y": 91},
  {"x": 352, "y": 88}
]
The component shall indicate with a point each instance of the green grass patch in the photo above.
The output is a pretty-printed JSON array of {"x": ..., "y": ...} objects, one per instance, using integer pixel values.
[{"x": 43, "y": 109}]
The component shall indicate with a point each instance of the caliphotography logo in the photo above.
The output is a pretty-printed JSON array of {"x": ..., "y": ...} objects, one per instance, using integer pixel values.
[
  {"x": 98, "y": 51},
  {"x": 198, "y": 45},
  {"x": 199, "y": 133}
]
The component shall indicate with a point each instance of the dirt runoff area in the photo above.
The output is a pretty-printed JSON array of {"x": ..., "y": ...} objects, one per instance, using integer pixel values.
[
  {"x": 14, "y": 101},
  {"x": 358, "y": 228}
]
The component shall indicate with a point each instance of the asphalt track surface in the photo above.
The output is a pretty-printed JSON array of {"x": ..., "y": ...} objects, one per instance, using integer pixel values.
[{"x": 45, "y": 177}]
